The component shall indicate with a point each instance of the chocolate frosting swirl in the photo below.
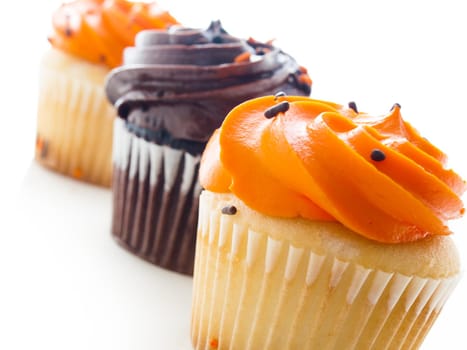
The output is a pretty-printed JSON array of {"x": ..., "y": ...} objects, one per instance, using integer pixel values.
[{"x": 183, "y": 82}]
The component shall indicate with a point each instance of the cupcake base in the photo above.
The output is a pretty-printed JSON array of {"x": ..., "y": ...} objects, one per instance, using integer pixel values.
[
  {"x": 74, "y": 125},
  {"x": 265, "y": 283},
  {"x": 155, "y": 201}
]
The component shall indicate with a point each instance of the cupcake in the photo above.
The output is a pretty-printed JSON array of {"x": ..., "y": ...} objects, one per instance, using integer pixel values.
[
  {"x": 321, "y": 228},
  {"x": 173, "y": 90},
  {"x": 75, "y": 120}
]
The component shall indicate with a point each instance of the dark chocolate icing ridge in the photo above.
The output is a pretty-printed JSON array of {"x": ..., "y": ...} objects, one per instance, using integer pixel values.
[{"x": 189, "y": 79}]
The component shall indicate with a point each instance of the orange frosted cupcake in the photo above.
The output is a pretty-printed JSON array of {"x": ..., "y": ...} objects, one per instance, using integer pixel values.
[
  {"x": 321, "y": 228},
  {"x": 74, "y": 126}
]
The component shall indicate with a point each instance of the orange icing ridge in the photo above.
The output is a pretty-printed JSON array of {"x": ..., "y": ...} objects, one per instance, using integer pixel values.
[
  {"x": 322, "y": 161},
  {"x": 99, "y": 30}
]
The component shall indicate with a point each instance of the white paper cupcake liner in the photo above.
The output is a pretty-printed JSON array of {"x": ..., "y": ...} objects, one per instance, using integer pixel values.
[
  {"x": 252, "y": 291},
  {"x": 156, "y": 194},
  {"x": 74, "y": 126}
]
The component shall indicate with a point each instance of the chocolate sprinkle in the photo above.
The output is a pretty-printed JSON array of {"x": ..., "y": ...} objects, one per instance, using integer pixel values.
[
  {"x": 353, "y": 106},
  {"x": 281, "y": 107},
  {"x": 68, "y": 31},
  {"x": 377, "y": 155},
  {"x": 229, "y": 210},
  {"x": 395, "y": 105}
]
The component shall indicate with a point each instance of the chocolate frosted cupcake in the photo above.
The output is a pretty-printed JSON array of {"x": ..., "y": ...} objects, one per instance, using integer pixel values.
[{"x": 173, "y": 90}]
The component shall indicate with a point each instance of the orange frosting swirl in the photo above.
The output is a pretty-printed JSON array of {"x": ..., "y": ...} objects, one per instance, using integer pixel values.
[
  {"x": 99, "y": 30},
  {"x": 319, "y": 160}
]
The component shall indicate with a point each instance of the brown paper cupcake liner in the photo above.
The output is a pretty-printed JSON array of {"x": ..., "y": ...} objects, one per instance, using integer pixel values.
[
  {"x": 252, "y": 291},
  {"x": 74, "y": 126},
  {"x": 156, "y": 193}
]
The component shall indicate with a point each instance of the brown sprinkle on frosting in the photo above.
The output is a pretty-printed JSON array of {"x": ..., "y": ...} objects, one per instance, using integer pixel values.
[
  {"x": 396, "y": 105},
  {"x": 377, "y": 155},
  {"x": 229, "y": 210},
  {"x": 353, "y": 105},
  {"x": 68, "y": 31},
  {"x": 273, "y": 111}
]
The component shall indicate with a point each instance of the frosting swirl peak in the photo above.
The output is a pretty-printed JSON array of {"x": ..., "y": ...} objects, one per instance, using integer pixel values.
[
  {"x": 99, "y": 30},
  {"x": 186, "y": 46}
]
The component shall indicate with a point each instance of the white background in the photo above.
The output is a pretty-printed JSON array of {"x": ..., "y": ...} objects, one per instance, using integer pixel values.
[{"x": 63, "y": 282}]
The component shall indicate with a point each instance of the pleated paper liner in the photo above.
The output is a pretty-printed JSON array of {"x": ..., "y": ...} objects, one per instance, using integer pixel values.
[
  {"x": 74, "y": 126},
  {"x": 156, "y": 194},
  {"x": 253, "y": 291}
]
